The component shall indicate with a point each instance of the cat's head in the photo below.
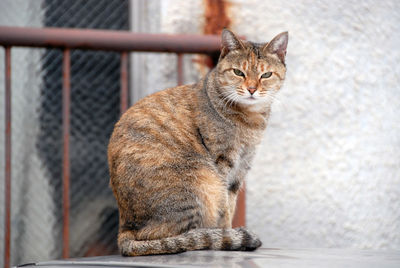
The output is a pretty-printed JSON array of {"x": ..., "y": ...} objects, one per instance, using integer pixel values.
[{"x": 250, "y": 73}]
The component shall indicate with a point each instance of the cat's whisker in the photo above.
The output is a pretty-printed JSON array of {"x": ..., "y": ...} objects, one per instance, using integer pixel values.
[
  {"x": 225, "y": 100},
  {"x": 233, "y": 100},
  {"x": 230, "y": 99},
  {"x": 278, "y": 104}
]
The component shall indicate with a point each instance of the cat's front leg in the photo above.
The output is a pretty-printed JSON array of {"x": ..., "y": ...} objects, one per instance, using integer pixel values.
[
  {"x": 227, "y": 210},
  {"x": 224, "y": 211},
  {"x": 237, "y": 177}
]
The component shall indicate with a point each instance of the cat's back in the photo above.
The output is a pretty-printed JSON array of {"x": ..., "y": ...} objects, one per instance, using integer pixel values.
[
  {"x": 169, "y": 104},
  {"x": 162, "y": 123},
  {"x": 159, "y": 111}
]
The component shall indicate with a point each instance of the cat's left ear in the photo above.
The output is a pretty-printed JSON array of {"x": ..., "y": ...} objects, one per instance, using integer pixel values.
[
  {"x": 229, "y": 42},
  {"x": 278, "y": 46}
]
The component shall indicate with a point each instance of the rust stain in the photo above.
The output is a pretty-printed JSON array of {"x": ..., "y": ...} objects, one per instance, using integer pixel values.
[{"x": 216, "y": 18}]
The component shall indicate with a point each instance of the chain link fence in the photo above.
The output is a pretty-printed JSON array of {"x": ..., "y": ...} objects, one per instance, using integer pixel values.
[{"x": 37, "y": 133}]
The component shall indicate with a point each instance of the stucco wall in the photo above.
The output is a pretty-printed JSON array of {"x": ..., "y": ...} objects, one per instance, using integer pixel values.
[{"x": 328, "y": 171}]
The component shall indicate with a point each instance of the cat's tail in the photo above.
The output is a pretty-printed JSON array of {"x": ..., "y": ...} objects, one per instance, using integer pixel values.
[{"x": 195, "y": 239}]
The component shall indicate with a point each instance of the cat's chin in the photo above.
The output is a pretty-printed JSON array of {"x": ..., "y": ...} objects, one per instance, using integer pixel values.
[
  {"x": 254, "y": 104},
  {"x": 252, "y": 100}
]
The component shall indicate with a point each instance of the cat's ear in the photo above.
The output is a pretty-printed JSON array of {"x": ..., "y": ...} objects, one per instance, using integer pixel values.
[
  {"x": 229, "y": 42},
  {"x": 278, "y": 46}
]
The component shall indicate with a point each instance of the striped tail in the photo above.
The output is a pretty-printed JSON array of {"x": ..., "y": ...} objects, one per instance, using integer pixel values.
[{"x": 195, "y": 239}]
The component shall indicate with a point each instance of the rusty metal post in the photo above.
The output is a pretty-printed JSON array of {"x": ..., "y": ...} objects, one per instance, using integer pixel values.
[
  {"x": 239, "y": 218},
  {"x": 66, "y": 94},
  {"x": 86, "y": 39},
  {"x": 124, "y": 82},
  {"x": 108, "y": 40},
  {"x": 180, "y": 68},
  {"x": 7, "y": 196}
]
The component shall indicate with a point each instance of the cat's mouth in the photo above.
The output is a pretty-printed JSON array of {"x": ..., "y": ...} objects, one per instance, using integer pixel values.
[{"x": 251, "y": 98}]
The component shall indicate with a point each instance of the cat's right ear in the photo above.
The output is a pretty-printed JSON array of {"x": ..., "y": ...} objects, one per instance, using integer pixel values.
[
  {"x": 278, "y": 46},
  {"x": 229, "y": 42}
]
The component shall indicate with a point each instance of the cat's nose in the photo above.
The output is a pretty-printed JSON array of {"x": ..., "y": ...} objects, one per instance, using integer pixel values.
[{"x": 251, "y": 90}]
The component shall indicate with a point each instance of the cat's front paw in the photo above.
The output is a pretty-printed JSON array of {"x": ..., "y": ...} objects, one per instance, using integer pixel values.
[{"x": 250, "y": 240}]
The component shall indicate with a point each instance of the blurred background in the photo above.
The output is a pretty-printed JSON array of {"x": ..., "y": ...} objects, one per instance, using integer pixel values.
[{"x": 326, "y": 175}]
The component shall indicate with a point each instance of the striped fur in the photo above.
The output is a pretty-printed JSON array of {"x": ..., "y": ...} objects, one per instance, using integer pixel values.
[
  {"x": 178, "y": 158},
  {"x": 195, "y": 239}
]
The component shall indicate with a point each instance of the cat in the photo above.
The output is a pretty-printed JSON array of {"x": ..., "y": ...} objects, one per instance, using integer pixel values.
[{"x": 178, "y": 158}]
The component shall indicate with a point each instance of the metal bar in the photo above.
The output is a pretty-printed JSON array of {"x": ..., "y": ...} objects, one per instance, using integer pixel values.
[
  {"x": 108, "y": 40},
  {"x": 239, "y": 219},
  {"x": 66, "y": 165},
  {"x": 7, "y": 196},
  {"x": 124, "y": 82},
  {"x": 180, "y": 68}
]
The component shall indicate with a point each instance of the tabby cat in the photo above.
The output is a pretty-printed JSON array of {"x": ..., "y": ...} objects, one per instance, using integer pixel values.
[{"x": 178, "y": 158}]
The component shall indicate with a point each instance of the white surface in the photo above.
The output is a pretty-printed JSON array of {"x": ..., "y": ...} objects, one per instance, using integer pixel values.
[
  {"x": 283, "y": 258},
  {"x": 328, "y": 171}
]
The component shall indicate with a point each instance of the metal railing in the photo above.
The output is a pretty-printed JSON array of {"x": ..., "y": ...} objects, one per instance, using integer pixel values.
[{"x": 67, "y": 39}]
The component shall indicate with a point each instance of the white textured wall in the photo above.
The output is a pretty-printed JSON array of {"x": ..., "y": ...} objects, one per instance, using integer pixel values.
[{"x": 328, "y": 171}]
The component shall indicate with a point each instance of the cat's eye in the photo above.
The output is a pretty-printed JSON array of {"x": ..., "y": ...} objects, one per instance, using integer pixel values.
[
  {"x": 238, "y": 72},
  {"x": 266, "y": 75}
]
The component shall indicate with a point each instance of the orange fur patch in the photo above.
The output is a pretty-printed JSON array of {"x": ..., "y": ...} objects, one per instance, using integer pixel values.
[
  {"x": 212, "y": 192},
  {"x": 244, "y": 66}
]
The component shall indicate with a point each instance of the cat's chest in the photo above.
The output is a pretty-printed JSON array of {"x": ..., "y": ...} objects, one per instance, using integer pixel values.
[
  {"x": 234, "y": 159},
  {"x": 229, "y": 146}
]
